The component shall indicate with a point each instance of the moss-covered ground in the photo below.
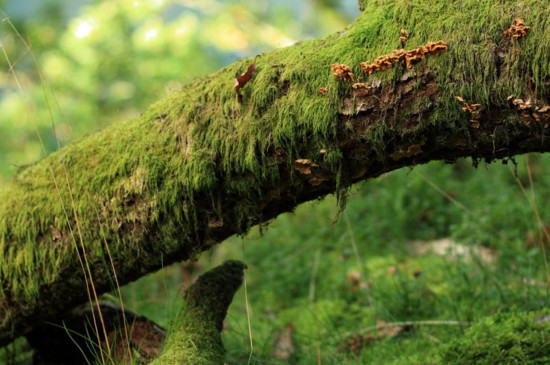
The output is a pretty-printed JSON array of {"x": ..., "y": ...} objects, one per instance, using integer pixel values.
[
  {"x": 306, "y": 283},
  {"x": 495, "y": 267}
]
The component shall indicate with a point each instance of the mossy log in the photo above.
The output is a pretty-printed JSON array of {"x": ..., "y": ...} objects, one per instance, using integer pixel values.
[
  {"x": 74, "y": 340},
  {"x": 194, "y": 335},
  {"x": 201, "y": 166}
]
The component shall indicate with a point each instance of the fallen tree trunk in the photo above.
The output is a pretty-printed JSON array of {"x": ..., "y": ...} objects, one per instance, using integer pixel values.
[{"x": 205, "y": 164}]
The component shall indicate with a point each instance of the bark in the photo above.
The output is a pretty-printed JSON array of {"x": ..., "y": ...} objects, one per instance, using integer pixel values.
[
  {"x": 129, "y": 338},
  {"x": 200, "y": 166},
  {"x": 194, "y": 336}
]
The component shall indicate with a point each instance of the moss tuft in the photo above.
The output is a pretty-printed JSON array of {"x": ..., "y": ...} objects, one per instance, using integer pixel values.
[
  {"x": 505, "y": 338},
  {"x": 195, "y": 335}
]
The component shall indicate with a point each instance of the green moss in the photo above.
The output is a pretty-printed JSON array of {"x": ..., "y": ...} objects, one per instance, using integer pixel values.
[
  {"x": 144, "y": 178},
  {"x": 195, "y": 335},
  {"x": 505, "y": 338}
]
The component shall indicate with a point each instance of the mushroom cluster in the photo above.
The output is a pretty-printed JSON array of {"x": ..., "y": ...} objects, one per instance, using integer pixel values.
[
  {"x": 517, "y": 30},
  {"x": 358, "y": 342},
  {"x": 531, "y": 112},
  {"x": 304, "y": 166},
  {"x": 342, "y": 72},
  {"x": 473, "y": 109},
  {"x": 383, "y": 63}
]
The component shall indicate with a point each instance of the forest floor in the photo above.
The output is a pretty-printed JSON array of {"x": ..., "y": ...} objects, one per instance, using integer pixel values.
[{"x": 418, "y": 256}]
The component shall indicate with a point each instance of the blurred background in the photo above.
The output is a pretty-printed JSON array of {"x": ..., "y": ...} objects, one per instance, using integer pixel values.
[
  {"x": 106, "y": 61},
  {"x": 445, "y": 243}
]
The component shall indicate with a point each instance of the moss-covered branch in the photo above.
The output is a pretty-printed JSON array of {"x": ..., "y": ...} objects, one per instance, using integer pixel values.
[
  {"x": 196, "y": 332},
  {"x": 199, "y": 167}
]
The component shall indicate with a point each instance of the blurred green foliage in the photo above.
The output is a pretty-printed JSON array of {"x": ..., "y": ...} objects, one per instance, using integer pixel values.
[
  {"x": 305, "y": 272},
  {"x": 112, "y": 59}
]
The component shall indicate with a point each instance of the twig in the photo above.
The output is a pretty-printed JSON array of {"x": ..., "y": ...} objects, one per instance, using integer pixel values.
[{"x": 406, "y": 323}]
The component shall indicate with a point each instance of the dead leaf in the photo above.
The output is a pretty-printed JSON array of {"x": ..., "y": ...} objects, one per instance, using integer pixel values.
[
  {"x": 387, "y": 330},
  {"x": 284, "y": 347},
  {"x": 357, "y": 342},
  {"x": 242, "y": 80},
  {"x": 323, "y": 90},
  {"x": 452, "y": 250},
  {"x": 145, "y": 336},
  {"x": 542, "y": 319},
  {"x": 425, "y": 215},
  {"x": 57, "y": 235},
  {"x": 356, "y": 281}
]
